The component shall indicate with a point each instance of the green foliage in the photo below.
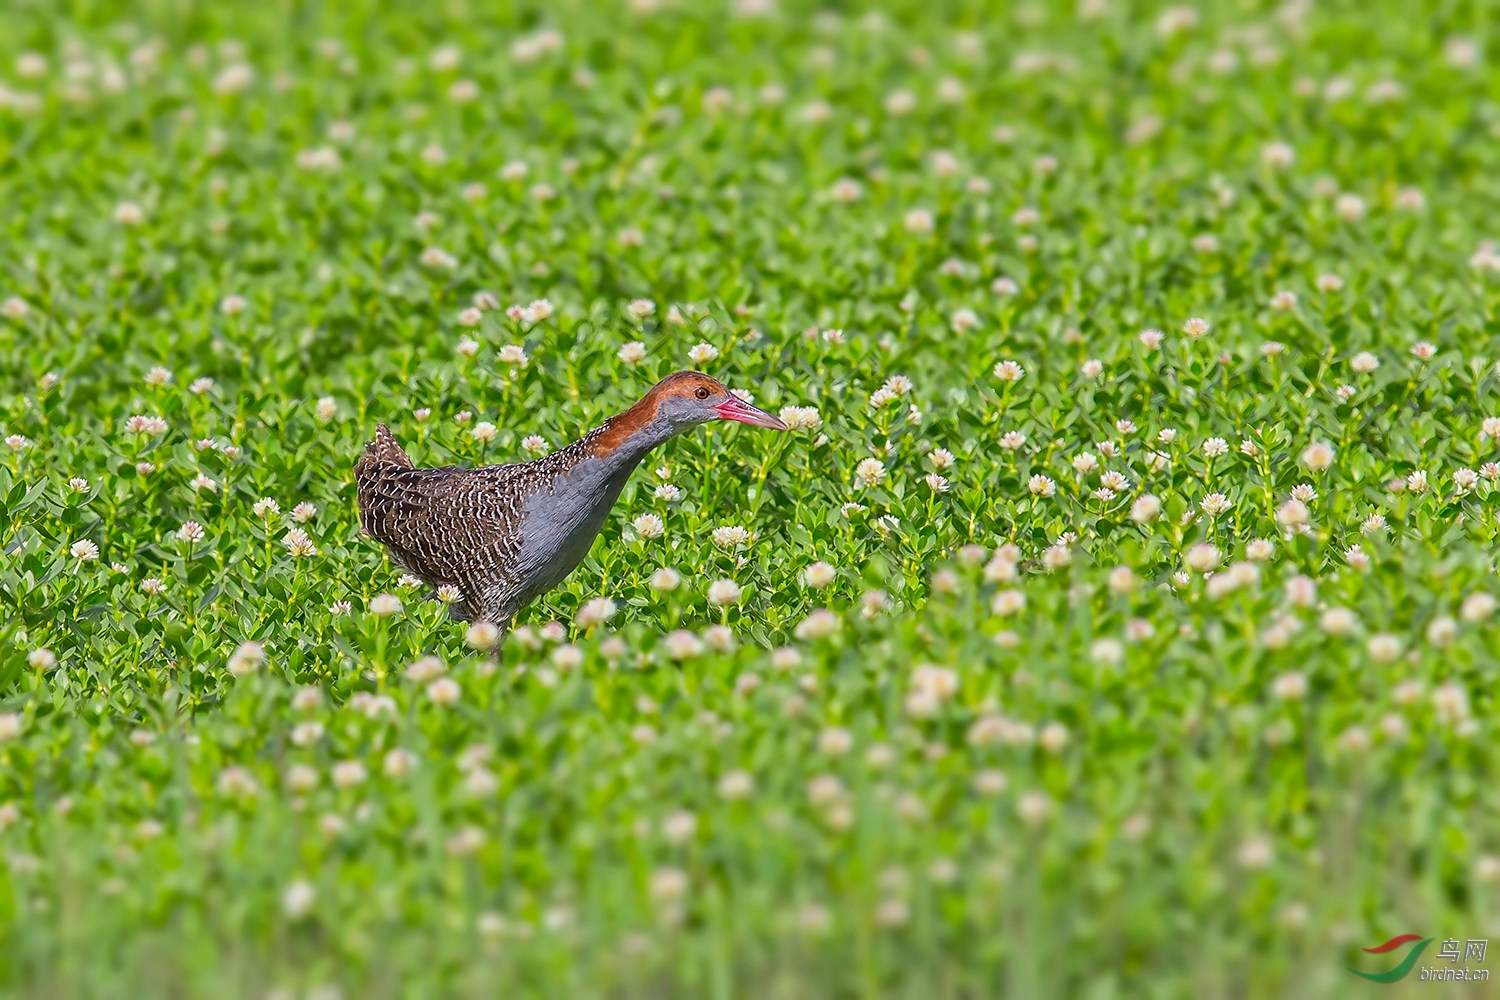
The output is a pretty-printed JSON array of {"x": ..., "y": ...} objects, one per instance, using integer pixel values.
[{"x": 1159, "y": 664}]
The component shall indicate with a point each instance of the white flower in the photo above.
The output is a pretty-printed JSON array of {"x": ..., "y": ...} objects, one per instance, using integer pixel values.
[
  {"x": 1383, "y": 648},
  {"x": 444, "y": 691},
  {"x": 702, "y": 354},
  {"x": 874, "y": 602},
  {"x": 1202, "y": 557},
  {"x": 1278, "y": 155},
  {"x": 819, "y": 574},
  {"x": 1255, "y": 853},
  {"x": 1318, "y": 455},
  {"x": 846, "y": 190},
  {"x": 1195, "y": 327},
  {"x": 299, "y": 544},
  {"x": 1008, "y": 602},
  {"x": 385, "y": 605},
  {"x": 918, "y": 221},
  {"x": 398, "y": 763},
  {"x": 722, "y": 593},
  {"x": 595, "y": 612},
  {"x": 233, "y": 78},
  {"x": 669, "y": 885},
  {"x": 480, "y": 635},
  {"x": 1349, "y": 207},
  {"x": 1338, "y": 621},
  {"x": 819, "y": 624},
  {"x": 1054, "y": 735},
  {"x": 870, "y": 472},
  {"x": 800, "y": 417},
  {"x": 297, "y": 899},
  {"x": 1441, "y": 631},
  {"x": 128, "y": 213},
  {"x": 736, "y": 785},
  {"x": 730, "y": 536},
  {"x": 1145, "y": 509},
  {"x": 349, "y": 774},
  {"x": 632, "y": 353},
  {"x": 649, "y": 526},
  {"x": 1292, "y": 513},
  {"x": 246, "y": 659},
  {"x": 84, "y": 550},
  {"x": 1451, "y": 703},
  {"x": 1214, "y": 504},
  {"x": 1477, "y": 607},
  {"x": 683, "y": 645},
  {"x": 1041, "y": 486},
  {"x": 1106, "y": 651},
  {"x": 665, "y": 578},
  {"x": 535, "y": 444},
  {"x": 1034, "y": 808},
  {"x": 641, "y": 308},
  {"x": 567, "y": 657},
  {"x": 1009, "y": 371}
]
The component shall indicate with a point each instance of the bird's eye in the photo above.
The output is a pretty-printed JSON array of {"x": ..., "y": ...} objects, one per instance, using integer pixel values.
[{"x": 701, "y": 392}]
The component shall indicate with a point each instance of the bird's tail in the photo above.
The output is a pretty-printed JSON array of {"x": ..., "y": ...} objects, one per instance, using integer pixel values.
[{"x": 384, "y": 450}]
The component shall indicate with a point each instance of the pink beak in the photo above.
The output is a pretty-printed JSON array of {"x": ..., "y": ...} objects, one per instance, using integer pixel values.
[{"x": 734, "y": 408}]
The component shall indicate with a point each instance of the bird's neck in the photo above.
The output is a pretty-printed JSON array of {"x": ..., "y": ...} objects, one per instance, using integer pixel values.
[
  {"x": 609, "y": 453},
  {"x": 621, "y": 449}
]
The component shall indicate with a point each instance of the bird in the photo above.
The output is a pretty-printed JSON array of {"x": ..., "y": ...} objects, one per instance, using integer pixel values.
[{"x": 503, "y": 535}]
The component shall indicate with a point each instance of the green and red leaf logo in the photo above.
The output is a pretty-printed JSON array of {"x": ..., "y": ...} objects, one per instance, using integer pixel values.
[{"x": 1405, "y": 966}]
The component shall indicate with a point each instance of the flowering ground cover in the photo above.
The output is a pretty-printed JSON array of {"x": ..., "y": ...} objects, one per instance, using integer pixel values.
[{"x": 1116, "y": 618}]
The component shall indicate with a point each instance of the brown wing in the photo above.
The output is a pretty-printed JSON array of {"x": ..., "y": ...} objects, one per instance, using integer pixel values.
[{"x": 446, "y": 525}]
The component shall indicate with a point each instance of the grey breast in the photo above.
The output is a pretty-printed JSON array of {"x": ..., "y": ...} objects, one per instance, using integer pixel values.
[{"x": 561, "y": 523}]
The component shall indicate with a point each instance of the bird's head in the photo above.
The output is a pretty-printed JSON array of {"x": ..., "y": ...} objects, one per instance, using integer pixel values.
[
  {"x": 675, "y": 404},
  {"x": 687, "y": 398}
]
